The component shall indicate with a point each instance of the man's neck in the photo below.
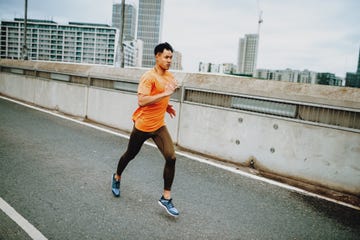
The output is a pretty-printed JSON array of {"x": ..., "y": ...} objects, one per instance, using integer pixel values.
[{"x": 159, "y": 70}]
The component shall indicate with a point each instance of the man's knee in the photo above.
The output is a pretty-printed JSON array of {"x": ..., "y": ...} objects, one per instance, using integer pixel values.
[{"x": 171, "y": 159}]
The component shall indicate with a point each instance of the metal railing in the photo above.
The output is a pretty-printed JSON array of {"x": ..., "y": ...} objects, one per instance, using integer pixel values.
[{"x": 324, "y": 115}]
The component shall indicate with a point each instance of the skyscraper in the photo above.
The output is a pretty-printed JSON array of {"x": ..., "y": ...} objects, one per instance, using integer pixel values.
[
  {"x": 353, "y": 79},
  {"x": 176, "y": 63},
  {"x": 149, "y": 28},
  {"x": 247, "y": 57},
  {"x": 130, "y": 20},
  {"x": 358, "y": 68}
]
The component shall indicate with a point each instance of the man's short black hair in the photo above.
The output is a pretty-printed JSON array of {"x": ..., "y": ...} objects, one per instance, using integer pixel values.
[{"x": 160, "y": 48}]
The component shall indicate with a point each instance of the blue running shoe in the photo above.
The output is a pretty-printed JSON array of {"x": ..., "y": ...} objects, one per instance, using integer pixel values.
[
  {"x": 169, "y": 206},
  {"x": 115, "y": 186}
]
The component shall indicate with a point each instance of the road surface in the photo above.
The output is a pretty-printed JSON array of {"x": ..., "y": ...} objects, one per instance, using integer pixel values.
[{"x": 56, "y": 174}]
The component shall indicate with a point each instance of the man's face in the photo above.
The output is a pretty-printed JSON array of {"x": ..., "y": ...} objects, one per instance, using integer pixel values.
[{"x": 164, "y": 59}]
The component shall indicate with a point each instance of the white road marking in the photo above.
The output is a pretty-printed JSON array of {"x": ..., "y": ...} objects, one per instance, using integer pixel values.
[
  {"x": 22, "y": 222},
  {"x": 196, "y": 158}
]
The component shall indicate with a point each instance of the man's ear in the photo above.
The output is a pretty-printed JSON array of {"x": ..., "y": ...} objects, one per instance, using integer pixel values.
[{"x": 159, "y": 54}]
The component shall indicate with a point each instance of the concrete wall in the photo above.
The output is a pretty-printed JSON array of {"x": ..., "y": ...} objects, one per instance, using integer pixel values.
[
  {"x": 64, "y": 97},
  {"x": 327, "y": 157},
  {"x": 321, "y": 155}
]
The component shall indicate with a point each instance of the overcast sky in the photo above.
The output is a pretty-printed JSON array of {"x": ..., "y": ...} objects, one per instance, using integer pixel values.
[{"x": 318, "y": 35}]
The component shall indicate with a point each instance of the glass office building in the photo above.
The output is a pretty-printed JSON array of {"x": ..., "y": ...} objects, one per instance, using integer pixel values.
[
  {"x": 353, "y": 79},
  {"x": 149, "y": 28},
  {"x": 130, "y": 20}
]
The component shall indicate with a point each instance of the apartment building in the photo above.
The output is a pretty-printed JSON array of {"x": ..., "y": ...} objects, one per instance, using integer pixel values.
[
  {"x": 287, "y": 75},
  {"x": 247, "y": 55},
  {"x": 305, "y": 76},
  {"x": 47, "y": 40}
]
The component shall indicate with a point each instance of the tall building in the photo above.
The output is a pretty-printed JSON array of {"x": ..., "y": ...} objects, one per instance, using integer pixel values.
[
  {"x": 149, "y": 28},
  {"x": 130, "y": 20},
  {"x": 353, "y": 79},
  {"x": 176, "y": 61},
  {"x": 129, "y": 42},
  {"x": 358, "y": 68},
  {"x": 139, "y": 52},
  {"x": 247, "y": 57},
  {"x": 132, "y": 53},
  {"x": 47, "y": 40}
]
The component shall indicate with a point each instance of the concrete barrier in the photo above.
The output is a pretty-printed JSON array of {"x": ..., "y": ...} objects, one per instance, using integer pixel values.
[{"x": 308, "y": 153}]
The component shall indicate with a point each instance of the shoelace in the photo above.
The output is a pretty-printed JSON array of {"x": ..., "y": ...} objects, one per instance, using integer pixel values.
[
  {"x": 116, "y": 183},
  {"x": 169, "y": 203}
]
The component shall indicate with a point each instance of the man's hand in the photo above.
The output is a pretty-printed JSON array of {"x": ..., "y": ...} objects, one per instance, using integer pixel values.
[
  {"x": 144, "y": 100},
  {"x": 170, "y": 88},
  {"x": 171, "y": 111}
]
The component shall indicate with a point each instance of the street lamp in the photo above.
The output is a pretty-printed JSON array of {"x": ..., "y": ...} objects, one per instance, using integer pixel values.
[
  {"x": 24, "y": 48},
  {"x": 122, "y": 33}
]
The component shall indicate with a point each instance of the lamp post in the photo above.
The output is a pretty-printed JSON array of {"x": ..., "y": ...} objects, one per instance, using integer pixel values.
[
  {"x": 24, "y": 48},
  {"x": 122, "y": 64}
]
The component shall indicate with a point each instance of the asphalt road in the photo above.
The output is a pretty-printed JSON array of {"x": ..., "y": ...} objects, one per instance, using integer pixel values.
[{"x": 56, "y": 174}]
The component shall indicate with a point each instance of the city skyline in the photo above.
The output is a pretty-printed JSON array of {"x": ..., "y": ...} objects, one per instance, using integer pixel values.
[{"x": 297, "y": 34}]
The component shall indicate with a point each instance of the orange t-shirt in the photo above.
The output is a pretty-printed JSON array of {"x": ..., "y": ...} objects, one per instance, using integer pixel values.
[{"x": 152, "y": 117}]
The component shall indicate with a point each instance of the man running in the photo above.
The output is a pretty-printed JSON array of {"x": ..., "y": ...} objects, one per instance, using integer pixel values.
[{"x": 155, "y": 88}]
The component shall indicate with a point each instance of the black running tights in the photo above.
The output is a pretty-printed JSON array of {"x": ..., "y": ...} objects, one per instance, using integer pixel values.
[{"x": 162, "y": 140}]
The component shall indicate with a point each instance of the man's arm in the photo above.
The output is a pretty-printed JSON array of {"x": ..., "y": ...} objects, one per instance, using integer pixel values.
[{"x": 144, "y": 100}]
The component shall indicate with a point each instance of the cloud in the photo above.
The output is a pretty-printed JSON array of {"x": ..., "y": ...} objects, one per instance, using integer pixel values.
[
  {"x": 313, "y": 34},
  {"x": 306, "y": 34},
  {"x": 60, "y": 11},
  {"x": 207, "y": 32}
]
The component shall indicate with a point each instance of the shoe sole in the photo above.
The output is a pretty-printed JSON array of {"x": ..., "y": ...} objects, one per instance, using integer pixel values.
[
  {"x": 115, "y": 195},
  {"x": 167, "y": 210}
]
